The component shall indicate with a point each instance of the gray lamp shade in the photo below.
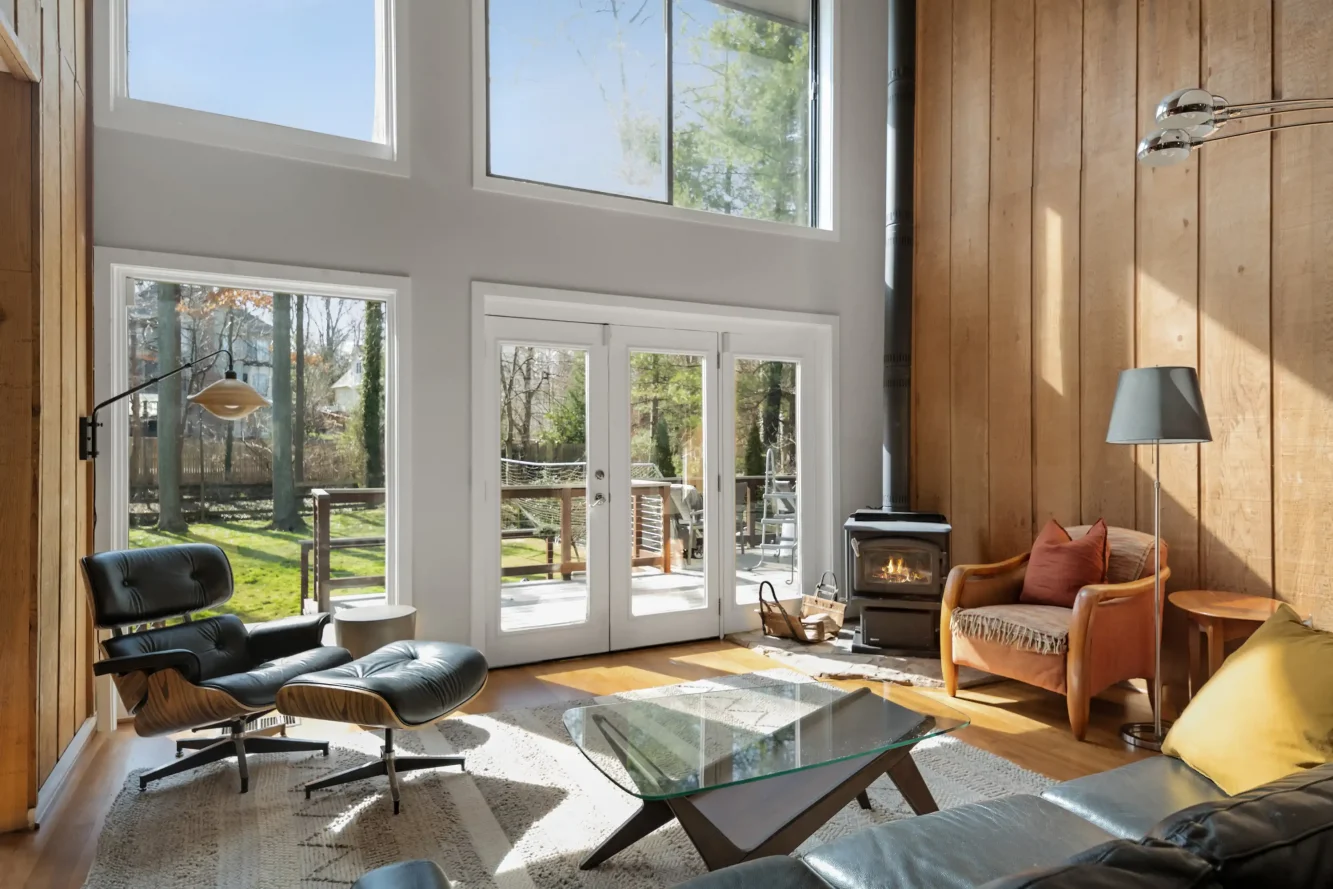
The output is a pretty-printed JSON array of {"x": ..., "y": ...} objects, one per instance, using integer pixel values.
[{"x": 1158, "y": 404}]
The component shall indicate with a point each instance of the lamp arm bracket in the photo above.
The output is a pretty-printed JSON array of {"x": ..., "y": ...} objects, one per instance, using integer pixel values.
[{"x": 88, "y": 425}]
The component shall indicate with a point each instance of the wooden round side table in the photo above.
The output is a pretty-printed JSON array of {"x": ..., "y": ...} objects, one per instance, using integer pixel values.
[
  {"x": 1220, "y": 617},
  {"x": 367, "y": 629}
]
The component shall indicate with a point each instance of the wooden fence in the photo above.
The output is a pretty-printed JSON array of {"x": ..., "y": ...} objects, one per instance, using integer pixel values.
[{"x": 326, "y": 464}]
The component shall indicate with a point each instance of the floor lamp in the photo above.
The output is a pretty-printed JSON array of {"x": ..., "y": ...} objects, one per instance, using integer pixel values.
[{"x": 1156, "y": 406}]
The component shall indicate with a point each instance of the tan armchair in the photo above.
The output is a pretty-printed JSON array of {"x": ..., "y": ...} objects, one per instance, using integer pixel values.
[{"x": 1105, "y": 638}]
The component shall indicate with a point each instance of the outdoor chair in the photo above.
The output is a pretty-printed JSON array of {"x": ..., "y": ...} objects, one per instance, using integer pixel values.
[{"x": 211, "y": 673}]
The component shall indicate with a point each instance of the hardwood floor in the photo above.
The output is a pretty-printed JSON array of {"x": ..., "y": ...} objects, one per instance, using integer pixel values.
[{"x": 1025, "y": 725}]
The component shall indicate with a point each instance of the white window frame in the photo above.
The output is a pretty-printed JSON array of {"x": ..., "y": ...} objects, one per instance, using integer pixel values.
[
  {"x": 828, "y": 211},
  {"x": 113, "y": 270},
  {"x": 113, "y": 107},
  {"x": 818, "y": 336}
]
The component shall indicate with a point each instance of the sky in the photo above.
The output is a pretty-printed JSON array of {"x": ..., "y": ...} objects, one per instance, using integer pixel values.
[
  {"x": 308, "y": 64},
  {"x": 556, "y": 86}
]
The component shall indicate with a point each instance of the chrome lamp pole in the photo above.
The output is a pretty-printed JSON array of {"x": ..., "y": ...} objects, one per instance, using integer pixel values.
[{"x": 1156, "y": 406}]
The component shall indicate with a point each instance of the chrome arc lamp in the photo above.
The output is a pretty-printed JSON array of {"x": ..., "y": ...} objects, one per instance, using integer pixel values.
[
  {"x": 1192, "y": 117},
  {"x": 228, "y": 398},
  {"x": 1156, "y": 406}
]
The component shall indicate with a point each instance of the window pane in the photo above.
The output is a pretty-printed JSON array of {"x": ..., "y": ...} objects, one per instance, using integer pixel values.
[
  {"x": 578, "y": 94},
  {"x": 767, "y": 518},
  {"x": 742, "y": 108},
  {"x": 197, "y": 478},
  {"x": 308, "y": 64}
]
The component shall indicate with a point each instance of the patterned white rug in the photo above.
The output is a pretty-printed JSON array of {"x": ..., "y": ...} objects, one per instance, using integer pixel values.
[
  {"x": 527, "y": 810},
  {"x": 835, "y": 659}
]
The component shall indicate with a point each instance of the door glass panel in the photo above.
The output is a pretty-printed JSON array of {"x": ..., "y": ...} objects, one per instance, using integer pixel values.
[
  {"x": 666, "y": 489},
  {"x": 543, "y": 486},
  {"x": 766, "y": 531}
]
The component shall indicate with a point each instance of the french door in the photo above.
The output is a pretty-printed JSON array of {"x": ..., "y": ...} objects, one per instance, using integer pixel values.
[{"x": 601, "y": 505}]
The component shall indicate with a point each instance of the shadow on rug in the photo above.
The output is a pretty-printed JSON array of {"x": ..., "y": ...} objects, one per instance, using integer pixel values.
[{"x": 526, "y": 811}]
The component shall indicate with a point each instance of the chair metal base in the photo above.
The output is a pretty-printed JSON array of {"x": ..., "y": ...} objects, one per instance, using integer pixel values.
[
  {"x": 389, "y": 764},
  {"x": 236, "y": 743}
]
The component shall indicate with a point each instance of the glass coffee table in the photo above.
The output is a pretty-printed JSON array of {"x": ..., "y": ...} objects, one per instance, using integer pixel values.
[{"x": 754, "y": 770}]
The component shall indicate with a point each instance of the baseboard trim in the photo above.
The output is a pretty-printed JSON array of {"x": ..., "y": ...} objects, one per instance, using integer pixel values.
[{"x": 55, "y": 782}]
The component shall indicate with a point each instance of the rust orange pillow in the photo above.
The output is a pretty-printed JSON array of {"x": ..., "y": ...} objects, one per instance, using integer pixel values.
[{"x": 1060, "y": 566}]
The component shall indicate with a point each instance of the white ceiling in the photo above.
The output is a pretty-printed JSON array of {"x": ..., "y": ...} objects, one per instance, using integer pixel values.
[
  {"x": 795, "y": 11},
  {"x": 3, "y": 66}
]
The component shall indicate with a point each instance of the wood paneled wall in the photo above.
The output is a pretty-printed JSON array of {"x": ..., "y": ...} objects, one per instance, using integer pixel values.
[
  {"x": 46, "y": 640},
  {"x": 1047, "y": 260}
]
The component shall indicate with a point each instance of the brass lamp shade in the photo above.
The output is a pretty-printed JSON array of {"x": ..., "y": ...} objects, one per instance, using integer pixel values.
[{"x": 229, "y": 398}]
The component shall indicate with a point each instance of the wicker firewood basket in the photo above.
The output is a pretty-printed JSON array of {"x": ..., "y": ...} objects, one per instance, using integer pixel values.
[{"x": 819, "y": 619}]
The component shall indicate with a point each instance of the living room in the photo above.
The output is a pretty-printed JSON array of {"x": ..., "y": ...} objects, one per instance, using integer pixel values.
[{"x": 911, "y": 443}]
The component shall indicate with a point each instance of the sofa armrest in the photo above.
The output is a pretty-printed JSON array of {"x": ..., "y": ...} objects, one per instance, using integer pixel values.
[
  {"x": 405, "y": 875},
  {"x": 773, "y": 872},
  {"x": 187, "y": 662},
  {"x": 1107, "y": 595},
  {"x": 974, "y": 586},
  {"x": 287, "y": 636}
]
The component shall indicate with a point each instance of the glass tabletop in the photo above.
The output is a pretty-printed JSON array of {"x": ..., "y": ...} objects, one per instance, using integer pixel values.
[{"x": 674, "y": 745}]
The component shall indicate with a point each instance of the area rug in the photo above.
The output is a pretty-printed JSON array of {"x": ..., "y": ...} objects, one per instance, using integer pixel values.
[
  {"x": 527, "y": 810},
  {"x": 835, "y": 659}
]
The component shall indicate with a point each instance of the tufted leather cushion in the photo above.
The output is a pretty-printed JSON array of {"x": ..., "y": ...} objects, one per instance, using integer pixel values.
[
  {"x": 405, "y": 875},
  {"x": 420, "y": 681},
  {"x": 1128, "y": 801},
  {"x": 1119, "y": 865},
  {"x": 774, "y": 872},
  {"x": 1275, "y": 836},
  {"x": 258, "y": 686},
  {"x": 144, "y": 585},
  {"x": 219, "y": 643},
  {"x": 955, "y": 848}
]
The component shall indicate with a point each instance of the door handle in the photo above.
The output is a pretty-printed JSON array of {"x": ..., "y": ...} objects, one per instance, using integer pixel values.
[{"x": 599, "y": 499}]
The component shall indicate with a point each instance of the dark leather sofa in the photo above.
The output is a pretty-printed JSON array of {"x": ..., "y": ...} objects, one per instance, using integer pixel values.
[{"x": 1154, "y": 823}]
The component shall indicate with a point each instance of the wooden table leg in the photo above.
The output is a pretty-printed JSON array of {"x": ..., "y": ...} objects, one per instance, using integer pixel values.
[
  {"x": 1216, "y": 644},
  {"x": 650, "y": 816},
  {"x": 907, "y": 778},
  {"x": 1196, "y": 657}
]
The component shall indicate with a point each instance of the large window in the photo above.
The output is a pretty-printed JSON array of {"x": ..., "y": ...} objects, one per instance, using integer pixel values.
[
  {"x": 315, "y": 79},
  {"x": 706, "y": 104}
]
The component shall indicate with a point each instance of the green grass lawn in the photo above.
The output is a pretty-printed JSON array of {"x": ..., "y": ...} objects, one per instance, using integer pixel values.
[
  {"x": 525, "y": 551},
  {"x": 266, "y": 564}
]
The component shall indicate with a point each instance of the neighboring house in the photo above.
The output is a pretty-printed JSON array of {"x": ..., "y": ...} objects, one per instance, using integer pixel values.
[{"x": 347, "y": 391}]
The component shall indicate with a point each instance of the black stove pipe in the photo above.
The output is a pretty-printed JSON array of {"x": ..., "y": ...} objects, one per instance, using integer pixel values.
[{"x": 898, "y": 255}]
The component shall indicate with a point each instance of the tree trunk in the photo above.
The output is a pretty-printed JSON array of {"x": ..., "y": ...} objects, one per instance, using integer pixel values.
[
  {"x": 286, "y": 506},
  {"x": 372, "y": 395},
  {"x": 298, "y": 431},
  {"x": 169, "y": 411}
]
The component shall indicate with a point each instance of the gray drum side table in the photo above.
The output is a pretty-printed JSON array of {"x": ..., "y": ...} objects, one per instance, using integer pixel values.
[{"x": 365, "y": 630}]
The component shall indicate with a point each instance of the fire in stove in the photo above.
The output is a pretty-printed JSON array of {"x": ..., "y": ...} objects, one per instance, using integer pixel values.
[{"x": 896, "y": 570}]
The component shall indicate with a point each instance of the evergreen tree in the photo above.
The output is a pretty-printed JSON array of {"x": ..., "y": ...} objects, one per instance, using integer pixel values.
[
  {"x": 754, "y": 452},
  {"x": 742, "y": 132},
  {"x": 662, "y": 449},
  {"x": 569, "y": 417},
  {"x": 372, "y": 394}
]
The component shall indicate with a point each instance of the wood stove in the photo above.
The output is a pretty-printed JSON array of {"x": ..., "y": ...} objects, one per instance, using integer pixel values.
[{"x": 896, "y": 563}]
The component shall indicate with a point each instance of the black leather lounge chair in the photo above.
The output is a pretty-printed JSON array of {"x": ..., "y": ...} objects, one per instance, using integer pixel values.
[{"x": 209, "y": 673}]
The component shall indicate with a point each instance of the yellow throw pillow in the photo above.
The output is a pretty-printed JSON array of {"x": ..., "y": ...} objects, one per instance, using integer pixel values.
[{"x": 1268, "y": 712}]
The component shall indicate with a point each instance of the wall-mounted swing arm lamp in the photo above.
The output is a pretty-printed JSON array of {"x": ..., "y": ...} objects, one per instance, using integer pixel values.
[
  {"x": 1191, "y": 117},
  {"x": 228, "y": 398}
]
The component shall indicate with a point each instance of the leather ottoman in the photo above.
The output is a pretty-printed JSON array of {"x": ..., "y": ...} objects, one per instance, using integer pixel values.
[{"x": 404, "y": 685}]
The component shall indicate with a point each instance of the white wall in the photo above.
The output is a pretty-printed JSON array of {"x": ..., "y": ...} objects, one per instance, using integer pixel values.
[{"x": 179, "y": 197}]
